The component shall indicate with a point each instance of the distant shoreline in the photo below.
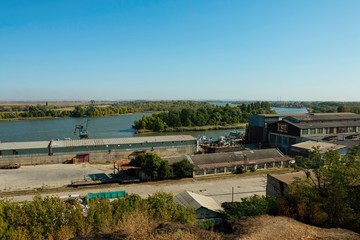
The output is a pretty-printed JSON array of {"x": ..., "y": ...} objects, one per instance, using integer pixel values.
[
  {"x": 196, "y": 128},
  {"x": 53, "y": 118}
]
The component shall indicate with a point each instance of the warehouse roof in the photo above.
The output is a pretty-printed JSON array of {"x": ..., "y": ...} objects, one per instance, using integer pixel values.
[
  {"x": 93, "y": 142},
  {"x": 194, "y": 200},
  {"x": 229, "y": 159},
  {"x": 311, "y": 117},
  {"x": 175, "y": 159},
  {"x": 114, "y": 141},
  {"x": 323, "y": 146},
  {"x": 323, "y": 124},
  {"x": 236, "y": 156},
  {"x": 23, "y": 145},
  {"x": 289, "y": 178}
]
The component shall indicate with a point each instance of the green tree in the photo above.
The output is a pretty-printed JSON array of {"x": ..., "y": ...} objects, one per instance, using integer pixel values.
[
  {"x": 173, "y": 119},
  {"x": 250, "y": 206},
  {"x": 183, "y": 169},
  {"x": 78, "y": 112},
  {"x": 100, "y": 214},
  {"x": 158, "y": 125},
  {"x": 330, "y": 189},
  {"x": 90, "y": 109},
  {"x": 152, "y": 165},
  {"x": 164, "y": 170},
  {"x": 162, "y": 207}
]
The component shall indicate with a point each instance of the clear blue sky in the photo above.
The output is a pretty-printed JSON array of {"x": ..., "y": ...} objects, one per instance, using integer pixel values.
[{"x": 186, "y": 49}]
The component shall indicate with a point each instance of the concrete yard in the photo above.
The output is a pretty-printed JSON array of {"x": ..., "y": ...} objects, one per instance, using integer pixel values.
[
  {"x": 48, "y": 176},
  {"x": 220, "y": 188}
]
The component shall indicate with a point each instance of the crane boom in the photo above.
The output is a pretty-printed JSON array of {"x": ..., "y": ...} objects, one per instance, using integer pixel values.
[{"x": 83, "y": 133}]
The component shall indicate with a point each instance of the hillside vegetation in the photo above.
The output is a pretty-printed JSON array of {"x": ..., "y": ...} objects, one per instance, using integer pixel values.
[
  {"x": 278, "y": 227},
  {"x": 51, "y": 218}
]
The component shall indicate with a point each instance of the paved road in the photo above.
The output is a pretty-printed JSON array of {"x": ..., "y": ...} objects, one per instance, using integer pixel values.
[
  {"x": 57, "y": 175},
  {"x": 222, "y": 190}
]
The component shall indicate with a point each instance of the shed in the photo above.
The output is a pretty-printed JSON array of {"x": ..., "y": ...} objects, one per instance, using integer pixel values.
[
  {"x": 304, "y": 148},
  {"x": 205, "y": 207},
  {"x": 277, "y": 184}
]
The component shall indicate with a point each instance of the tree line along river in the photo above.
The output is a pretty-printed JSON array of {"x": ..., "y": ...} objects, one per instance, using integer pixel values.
[{"x": 101, "y": 127}]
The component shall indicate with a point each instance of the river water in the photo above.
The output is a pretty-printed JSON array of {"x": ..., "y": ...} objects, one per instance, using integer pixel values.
[
  {"x": 280, "y": 110},
  {"x": 102, "y": 127}
]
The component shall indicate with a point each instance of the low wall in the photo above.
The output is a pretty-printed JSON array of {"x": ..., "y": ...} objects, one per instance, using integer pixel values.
[{"x": 98, "y": 157}]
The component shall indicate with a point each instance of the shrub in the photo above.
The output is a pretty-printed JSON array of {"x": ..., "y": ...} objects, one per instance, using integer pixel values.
[
  {"x": 250, "y": 206},
  {"x": 183, "y": 169}
]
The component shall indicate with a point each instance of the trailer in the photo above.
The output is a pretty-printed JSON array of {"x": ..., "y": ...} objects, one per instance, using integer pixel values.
[{"x": 106, "y": 195}]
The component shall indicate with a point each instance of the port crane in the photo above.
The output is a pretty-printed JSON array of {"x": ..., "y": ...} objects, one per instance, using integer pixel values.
[{"x": 83, "y": 133}]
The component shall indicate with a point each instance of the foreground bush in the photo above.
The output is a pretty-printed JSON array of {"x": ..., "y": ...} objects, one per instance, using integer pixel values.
[
  {"x": 51, "y": 218},
  {"x": 330, "y": 194},
  {"x": 250, "y": 206}
]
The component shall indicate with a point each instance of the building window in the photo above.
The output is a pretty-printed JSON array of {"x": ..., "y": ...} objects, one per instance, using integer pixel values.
[
  {"x": 0, "y": 153},
  {"x": 312, "y": 131},
  {"x": 320, "y": 131},
  {"x": 331, "y": 130},
  {"x": 304, "y": 131},
  {"x": 342, "y": 129},
  {"x": 282, "y": 127}
]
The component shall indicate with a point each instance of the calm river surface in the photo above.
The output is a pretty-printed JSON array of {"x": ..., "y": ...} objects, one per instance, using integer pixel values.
[{"x": 102, "y": 127}]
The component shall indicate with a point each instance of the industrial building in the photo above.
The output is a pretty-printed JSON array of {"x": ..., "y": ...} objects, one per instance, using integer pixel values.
[
  {"x": 98, "y": 150},
  {"x": 237, "y": 162},
  {"x": 326, "y": 127},
  {"x": 257, "y": 128}
]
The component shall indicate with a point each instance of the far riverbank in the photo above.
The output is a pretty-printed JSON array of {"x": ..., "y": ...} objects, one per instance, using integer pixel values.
[
  {"x": 197, "y": 128},
  {"x": 100, "y": 127}
]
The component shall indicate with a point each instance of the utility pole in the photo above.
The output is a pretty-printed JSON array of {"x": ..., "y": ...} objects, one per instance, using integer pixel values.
[{"x": 232, "y": 194}]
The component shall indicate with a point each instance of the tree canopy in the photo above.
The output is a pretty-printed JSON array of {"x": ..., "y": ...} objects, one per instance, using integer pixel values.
[
  {"x": 203, "y": 116},
  {"x": 152, "y": 165},
  {"x": 330, "y": 194},
  {"x": 183, "y": 169},
  {"x": 51, "y": 218}
]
